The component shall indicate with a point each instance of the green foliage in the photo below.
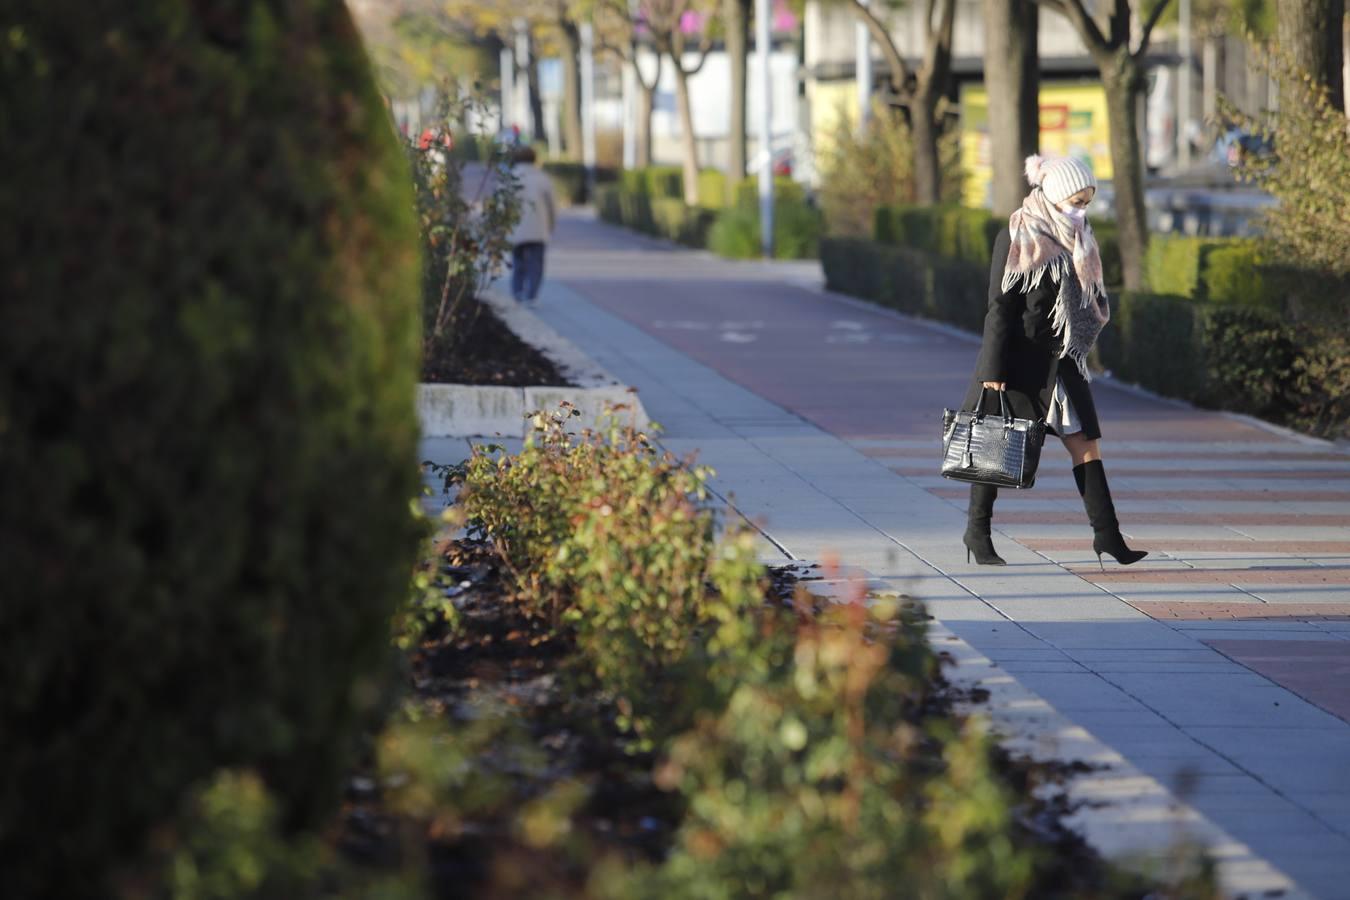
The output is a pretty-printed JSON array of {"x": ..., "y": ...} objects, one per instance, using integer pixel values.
[
  {"x": 1235, "y": 273},
  {"x": 688, "y": 225},
  {"x": 663, "y": 181},
  {"x": 815, "y": 775},
  {"x": 609, "y": 537},
  {"x": 208, "y": 352},
  {"x": 231, "y": 843},
  {"x": 1309, "y": 173},
  {"x": 796, "y": 232},
  {"x": 864, "y": 170},
  {"x": 712, "y": 188},
  {"x": 785, "y": 190},
  {"x": 1156, "y": 340},
  {"x": 1263, "y": 365},
  {"x": 569, "y": 181}
]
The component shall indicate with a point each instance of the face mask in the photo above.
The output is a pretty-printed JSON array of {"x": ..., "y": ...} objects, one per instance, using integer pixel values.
[{"x": 1073, "y": 212}]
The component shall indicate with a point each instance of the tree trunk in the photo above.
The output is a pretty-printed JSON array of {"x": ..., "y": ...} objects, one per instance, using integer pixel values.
[
  {"x": 737, "y": 15},
  {"x": 536, "y": 98},
  {"x": 1123, "y": 82},
  {"x": 643, "y": 136},
  {"x": 1312, "y": 33},
  {"x": 571, "y": 112},
  {"x": 689, "y": 145},
  {"x": 927, "y": 165},
  {"x": 1012, "y": 80}
]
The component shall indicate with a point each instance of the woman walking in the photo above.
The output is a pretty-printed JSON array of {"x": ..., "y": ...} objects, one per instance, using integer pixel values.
[{"x": 1047, "y": 304}]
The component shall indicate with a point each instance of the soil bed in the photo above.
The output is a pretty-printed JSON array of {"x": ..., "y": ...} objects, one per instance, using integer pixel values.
[
  {"x": 498, "y": 658},
  {"x": 486, "y": 352}
]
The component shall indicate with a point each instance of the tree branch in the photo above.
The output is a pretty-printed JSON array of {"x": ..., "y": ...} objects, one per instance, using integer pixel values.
[
  {"x": 1082, "y": 20},
  {"x": 1147, "y": 31},
  {"x": 900, "y": 73}
]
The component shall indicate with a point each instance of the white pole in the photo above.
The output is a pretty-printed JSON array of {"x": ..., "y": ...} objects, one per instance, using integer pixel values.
[
  {"x": 508, "y": 66},
  {"x": 521, "y": 112},
  {"x": 588, "y": 101},
  {"x": 763, "y": 41},
  {"x": 862, "y": 41},
  {"x": 1184, "y": 88}
]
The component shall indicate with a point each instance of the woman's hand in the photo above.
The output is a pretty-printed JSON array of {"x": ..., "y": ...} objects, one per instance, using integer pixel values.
[{"x": 997, "y": 385}]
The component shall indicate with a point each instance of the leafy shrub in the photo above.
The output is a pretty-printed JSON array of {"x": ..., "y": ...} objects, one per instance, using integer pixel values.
[
  {"x": 608, "y": 204},
  {"x": 1261, "y": 364},
  {"x": 663, "y": 181},
  {"x": 712, "y": 188},
  {"x": 569, "y": 181},
  {"x": 796, "y": 228},
  {"x": 864, "y": 170},
  {"x": 688, "y": 225},
  {"x": 1234, "y": 274},
  {"x": 816, "y": 775},
  {"x": 465, "y": 228},
  {"x": 208, "y": 349},
  {"x": 1156, "y": 340},
  {"x": 609, "y": 537},
  {"x": 785, "y": 190},
  {"x": 1309, "y": 173}
]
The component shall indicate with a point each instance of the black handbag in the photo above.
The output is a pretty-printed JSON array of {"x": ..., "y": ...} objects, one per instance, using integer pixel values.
[{"x": 991, "y": 449}]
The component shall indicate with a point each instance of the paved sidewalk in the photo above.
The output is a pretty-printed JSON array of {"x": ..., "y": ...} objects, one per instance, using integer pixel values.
[{"x": 1220, "y": 666}]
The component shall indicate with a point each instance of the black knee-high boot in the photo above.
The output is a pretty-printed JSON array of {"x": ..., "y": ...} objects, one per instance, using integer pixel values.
[
  {"x": 976, "y": 538},
  {"x": 1106, "y": 537}
]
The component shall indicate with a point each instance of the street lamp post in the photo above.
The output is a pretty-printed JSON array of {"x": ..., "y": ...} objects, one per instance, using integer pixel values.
[{"x": 763, "y": 13}]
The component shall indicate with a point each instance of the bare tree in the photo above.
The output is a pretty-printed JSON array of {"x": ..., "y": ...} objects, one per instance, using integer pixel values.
[
  {"x": 1312, "y": 33},
  {"x": 1119, "y": 56},
  {"x": 920, "y": 91},
  {"x": 1012, "y": 81},
  {"x": 665, "y": 19},
  {"x": 736, "y": 21},
  {"x": 619, "y": 31}
]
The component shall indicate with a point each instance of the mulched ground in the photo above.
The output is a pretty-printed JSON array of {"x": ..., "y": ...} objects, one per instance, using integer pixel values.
[
  {"x": 499, "y": 658},
  {"x": 486, "y": 352}
]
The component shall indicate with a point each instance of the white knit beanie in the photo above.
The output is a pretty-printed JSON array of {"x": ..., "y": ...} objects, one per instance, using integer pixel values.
[{"x": 1060, "y": 177}]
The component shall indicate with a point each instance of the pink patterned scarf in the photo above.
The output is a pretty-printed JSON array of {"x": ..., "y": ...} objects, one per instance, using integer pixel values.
[{"x": 1047, "y": 241}]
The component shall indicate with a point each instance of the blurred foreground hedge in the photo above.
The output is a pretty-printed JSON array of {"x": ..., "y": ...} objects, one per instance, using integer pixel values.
[{"x": 208, "y": 350}]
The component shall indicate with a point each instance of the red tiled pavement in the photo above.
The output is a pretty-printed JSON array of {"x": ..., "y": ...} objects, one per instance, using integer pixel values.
[
  {"x": 1319, "y": 475},
  {"x": 1196, "y": 611},
  {"x": 1050, "y": 517},
  {"x": 1318, "y": 671},
  {"x": 1264, "y": 548},
  {"x": 1254, "y": 575},
  {"x": 961, "y": 493},
  {"x": 1117, "y": 453}
]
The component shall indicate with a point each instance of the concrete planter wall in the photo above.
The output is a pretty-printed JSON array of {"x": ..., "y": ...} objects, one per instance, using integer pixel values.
[{"x": 461, "y": 410}]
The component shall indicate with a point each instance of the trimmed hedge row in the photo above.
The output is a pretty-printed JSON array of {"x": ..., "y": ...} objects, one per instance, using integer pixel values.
[
  {"x": 569, "y": 180},
  {"x": 1241, "y": 355},
  {"x": 650, "y": 200}
]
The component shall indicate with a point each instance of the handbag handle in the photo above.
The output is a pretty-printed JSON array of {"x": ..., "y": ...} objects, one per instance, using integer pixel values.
[{"x": 1002, "y": 404}]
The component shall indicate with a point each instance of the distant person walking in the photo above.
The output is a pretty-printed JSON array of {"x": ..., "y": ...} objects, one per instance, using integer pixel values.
[
  {"x": 1047, "y": 304},
  {"x": 538, "y": 216}
]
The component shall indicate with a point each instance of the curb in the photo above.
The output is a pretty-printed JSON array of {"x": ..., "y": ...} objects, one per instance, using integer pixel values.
[{"x": 461, "y": 410}]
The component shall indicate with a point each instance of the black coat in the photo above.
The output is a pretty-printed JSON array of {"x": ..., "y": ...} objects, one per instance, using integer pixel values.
[{"x": 1020, "y": 348}]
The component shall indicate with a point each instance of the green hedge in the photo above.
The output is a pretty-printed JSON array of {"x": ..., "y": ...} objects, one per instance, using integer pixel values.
[
  {"x": 641, "y": 200},
  {"x": 569, "y": 180},
  {"x": 712, "y": 188},
  {"x": 208, "y": 354}
]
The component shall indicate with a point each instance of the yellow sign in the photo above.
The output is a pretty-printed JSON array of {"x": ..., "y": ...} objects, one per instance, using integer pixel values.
[{"x": 1073, "y": 123}]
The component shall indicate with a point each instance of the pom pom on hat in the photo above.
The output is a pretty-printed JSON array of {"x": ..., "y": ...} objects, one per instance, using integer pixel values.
[{"x": 1033, "y": 169}]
